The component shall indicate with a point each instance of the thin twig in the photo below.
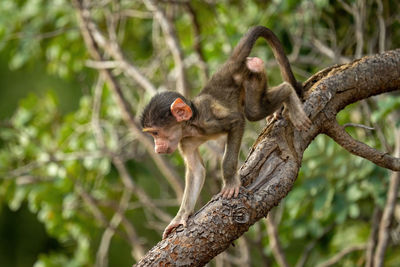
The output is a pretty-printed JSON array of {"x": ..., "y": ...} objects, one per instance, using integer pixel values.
[
  {"x": 256, "y": 244},
  {"x": 382, "y": 26},
  {"x": 373, "y": 237},
  {"x": 275, "y": 243},
  {"x": 39, "y": 36},
  {"x": 357, "y": 10},
  {"x": 324, "y": 49},
  {"x": 143, "y": 197},
  {"x": 54, "y": 158},
  {"x": 88, "y": 199},
  {"x": 350, "y": 124},
  {"x": 119, "y": 216},
  {"x": 98, "y": 92},
  {"x": 115, "y": 51},
  {"x": 171, "y": 39},
  {"x": 359, "y": 17},
  {"x": 338, "y": 257},
  {"x": 381, "y": 137},
  {"x": 198, "y": 42},
  {"x": 340, "y": 136},
  {"x": 346, "y": 6},
  {"x": 383, "y": 236},
  {"x": 166, "y": 169},
  {"x": 102, "y": 252},
  {"x": 243, "y": 250},
  {"x": 136, "y": 14},
  {"x": 310, "y": 246},
  {"x": 107, "y": 64}
]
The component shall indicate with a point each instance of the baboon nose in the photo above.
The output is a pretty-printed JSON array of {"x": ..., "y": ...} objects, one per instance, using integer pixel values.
[{"x": 161, "y": 150}]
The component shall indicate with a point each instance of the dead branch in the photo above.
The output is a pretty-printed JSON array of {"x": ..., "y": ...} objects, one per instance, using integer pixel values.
[
  {"x": 384, "y": 226},
  {"x": 382, "y": 26},
  {"x": 114, "y": 50},
  {"x": 335, "y": 259},
  {"x": 357, "y": 10},
  {"x": 171, "y": 39},
  {"x": 119, "y": 216},
  {"x": 357, "y": 125},
  {"x": 326, "y": 50},
  {"x": 275, "y": 243},
  {"x": 365, "y": 105},
  {"x": 88, "y": 36},
  {"x": 102, "y": 252},
  {"x": 198, "y": 47},
  {"x": 373, "y": 236},
  {"x": 311, "y": 245}
]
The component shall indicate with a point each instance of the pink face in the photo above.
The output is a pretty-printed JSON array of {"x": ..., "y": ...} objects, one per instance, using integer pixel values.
[{"x": 166, "y": 140}]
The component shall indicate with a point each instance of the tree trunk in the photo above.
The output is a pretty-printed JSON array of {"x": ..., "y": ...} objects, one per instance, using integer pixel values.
[{"x": 273, "y": 163}]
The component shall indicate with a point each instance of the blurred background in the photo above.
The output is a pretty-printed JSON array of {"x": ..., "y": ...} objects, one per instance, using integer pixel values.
[{"x": 79, "y": 183}]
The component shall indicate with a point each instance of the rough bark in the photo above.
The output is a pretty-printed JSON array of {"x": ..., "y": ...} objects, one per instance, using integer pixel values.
[{"x": 274, "y": 161}]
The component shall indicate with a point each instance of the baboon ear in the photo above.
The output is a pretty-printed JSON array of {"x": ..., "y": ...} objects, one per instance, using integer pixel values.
[{"x": 180, "y": 110}]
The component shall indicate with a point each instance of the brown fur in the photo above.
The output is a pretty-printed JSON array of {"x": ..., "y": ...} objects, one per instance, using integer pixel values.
[{"x": 234, "y": 93}]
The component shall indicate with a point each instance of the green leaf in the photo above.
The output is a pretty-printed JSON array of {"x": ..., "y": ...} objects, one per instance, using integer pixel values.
[
  {"x": 354, "y": 210},
  {"x": 354, "y": 193},
  {"x": 21, "y": 117},
  {"x": 18, "y": 198}
]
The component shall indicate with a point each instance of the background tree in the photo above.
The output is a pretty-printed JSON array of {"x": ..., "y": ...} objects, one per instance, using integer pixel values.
[{"x": 72, "y": 154}]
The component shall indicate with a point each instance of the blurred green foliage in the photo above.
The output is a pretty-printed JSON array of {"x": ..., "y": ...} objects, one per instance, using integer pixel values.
[{"x": 52, "y": 163}]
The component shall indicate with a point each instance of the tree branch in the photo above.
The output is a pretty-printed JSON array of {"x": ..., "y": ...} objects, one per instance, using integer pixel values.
[
  {"x": 166, "y": 169},
  {"x": 357, "y": 125},
  {"x": 335, "y": 259},
  {"x": 102, "y": 252},
  {"x": 310, "y": 246},
  {"x": 198, "y": 42},
  {"x": 384, "y": 226},
  {"x": 173, "y": 44},
  {"x": 114, "y": 50},
  {"x": 365, "y": 105},
  {"x": 326, "y": 50},
  {"x": 339, "y": 134},
  {"x": 382, "y": 26},
  {"x": 273, "y": 163},
  {"x": 119, "y": 216},
  {"x": 275, "y": 242},
  {"x": 373, "y": 236}
]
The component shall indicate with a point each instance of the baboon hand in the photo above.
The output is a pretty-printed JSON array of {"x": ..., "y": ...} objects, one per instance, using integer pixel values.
[{"x": 231, "y": 189}]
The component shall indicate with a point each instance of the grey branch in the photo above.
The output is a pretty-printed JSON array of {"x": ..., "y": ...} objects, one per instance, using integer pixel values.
[
  {"x": 310, "y": 246},
  {"x": 84, "y": 23},
  {"x": 335, "y": 259},
  {"x": 326, "y": 50},
  {"x": 102, "y": 253},
  {"x": 198, "y": 47},
  {"x": 119, "y": 216},
  {"x": 373, "y": 236},
  {"x": 358, "y": 125},
  {"x": 383, "y": 235},
  {"x": 171, "y": 39},
  {"x": 114, "y": 50},
  {"x": 274, "y": 241},
  {"x": 382, "y": 26}
]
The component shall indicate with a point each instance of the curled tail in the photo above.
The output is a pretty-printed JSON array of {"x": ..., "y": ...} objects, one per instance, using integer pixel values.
[{"x": 245, "y": 45}]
